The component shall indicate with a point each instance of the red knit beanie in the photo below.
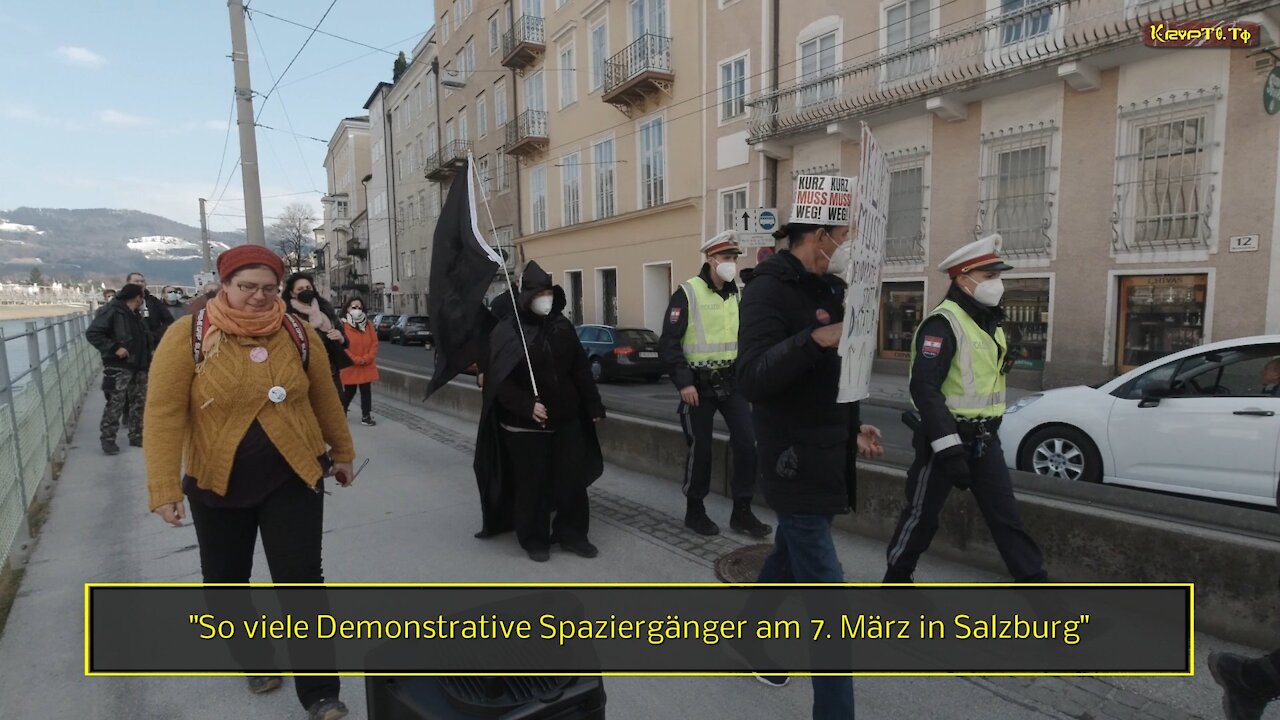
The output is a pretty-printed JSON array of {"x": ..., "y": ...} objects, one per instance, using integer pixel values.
[{"x": 238, "y": 258}]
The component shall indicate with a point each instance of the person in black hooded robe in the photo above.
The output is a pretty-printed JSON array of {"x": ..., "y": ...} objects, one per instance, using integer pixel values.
[{"x": 536, "y": 454}]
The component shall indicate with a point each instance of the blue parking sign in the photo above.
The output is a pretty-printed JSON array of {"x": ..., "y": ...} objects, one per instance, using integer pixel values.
[{"x": 768, "y": 220}]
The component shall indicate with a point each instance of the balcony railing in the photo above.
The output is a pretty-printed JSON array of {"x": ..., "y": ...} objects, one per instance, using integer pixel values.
[
  {"x": 1038, "y": 35},
  {"x": 523, "y": 43},
  {"x": 641, "y": 66},
  {"x": 447, "y": 162},
  {"x": 356, "y": 249},
  {"x": 527, "y": 132}
]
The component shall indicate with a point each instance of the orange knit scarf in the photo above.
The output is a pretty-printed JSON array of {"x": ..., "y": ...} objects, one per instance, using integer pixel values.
[{"x": 225, "y": 320}]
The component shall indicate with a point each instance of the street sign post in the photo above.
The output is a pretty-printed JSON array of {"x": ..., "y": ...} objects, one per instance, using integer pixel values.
[{"x": 755, "y": 227}]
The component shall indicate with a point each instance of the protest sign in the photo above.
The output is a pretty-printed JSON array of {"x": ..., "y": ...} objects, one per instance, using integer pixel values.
[{"x": 862, "y": 301}]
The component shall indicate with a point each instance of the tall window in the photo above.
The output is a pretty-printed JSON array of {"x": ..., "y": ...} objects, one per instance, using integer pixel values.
[
  {"x": 907, "y": 24},
  {"x": 538, "y": 190},
  {"x": 503, "y": 173},
  {"x": 482, "y": 114},
  {"x": 648, "y": 17},
  {"x": 415, "y": 102},
  {"x": 495, "y": 34},
  {"x": 599, "y": 54},
  {"x": 482, "y": 170},
  {"x": 444, "y": 27},
  {"x": 450, "y": 134},
  {"x": 1172, "y": 166},
  {"x": 568, "y": 78},
  {"x": 653, "y": 171},
  {"x": 431, "y": 94},
  {"x": 571, "y": 176},
  {"x": 464, "y": 132},
  {"x": 733, "y": 88},
  {"x": 532, "y": 8},
  {"x": 500, "y": 116},
  {"x": 400, "y": 166},
  {"x": 470, "y": 52},
  {"x": 602, "y": 157},
  {"x": 1024, "y": 23},
  {"x": 732, "y": 204},
  {"x": 904, "y": 233},
  {"x": 431, "y": 140},
  {"x": 817, "y": 60},
  {"x": 535, "y": 92},
  {"x": 467, "y": 7},
  {"x": 1015, "y": 193}
]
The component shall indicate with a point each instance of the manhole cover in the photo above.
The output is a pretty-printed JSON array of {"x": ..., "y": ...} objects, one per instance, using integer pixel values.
[{"x": 742, "y": 565}]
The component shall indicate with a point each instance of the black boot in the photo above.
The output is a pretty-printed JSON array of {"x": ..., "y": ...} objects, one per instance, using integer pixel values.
[
  {"x": 110, "y": 447},
  {"x": 895, "y": 575},
  {"x": 744, "y": 521},
  {"x": 695, "y": 518},
  {"x": 1247, "y": 685}
]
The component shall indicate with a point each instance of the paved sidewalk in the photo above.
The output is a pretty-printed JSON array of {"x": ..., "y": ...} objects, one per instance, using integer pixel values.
[{"x": 411, "y": 518}]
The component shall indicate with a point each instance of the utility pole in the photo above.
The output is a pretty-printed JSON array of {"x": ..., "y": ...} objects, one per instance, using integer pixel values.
[
  {"x": 204, "y": 238},
  {"x": 244, "y": 118}
]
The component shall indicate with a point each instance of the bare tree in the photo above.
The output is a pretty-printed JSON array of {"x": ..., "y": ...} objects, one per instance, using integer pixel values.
[{"x": 291, "y": 234}]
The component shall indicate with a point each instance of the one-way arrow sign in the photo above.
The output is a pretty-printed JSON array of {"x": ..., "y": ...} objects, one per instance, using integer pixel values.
[{"x": 755, "y": 226}]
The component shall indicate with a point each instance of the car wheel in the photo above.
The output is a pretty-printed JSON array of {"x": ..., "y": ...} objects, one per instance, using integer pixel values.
[
  {"x": 395, "y": 340},
  {"x": 597, "y": 370},
  {"x": 1062, "y": 452}
]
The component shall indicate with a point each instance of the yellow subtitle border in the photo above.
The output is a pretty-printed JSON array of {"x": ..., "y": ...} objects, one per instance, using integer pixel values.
[{"x": 1191, "y": 632}]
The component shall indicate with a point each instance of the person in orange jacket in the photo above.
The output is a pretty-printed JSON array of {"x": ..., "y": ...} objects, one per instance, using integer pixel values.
[{"x": 362, "y": 348}]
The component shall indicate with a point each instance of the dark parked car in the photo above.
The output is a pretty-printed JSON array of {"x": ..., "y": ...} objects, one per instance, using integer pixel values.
[
  {"x": 411, "y": 329},
  {"x": 383, "y": 324},
  {"x": 621, "y": 352}
]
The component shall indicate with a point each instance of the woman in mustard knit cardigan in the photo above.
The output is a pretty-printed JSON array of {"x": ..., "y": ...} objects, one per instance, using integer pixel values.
[{"x": 247, "y": 431}]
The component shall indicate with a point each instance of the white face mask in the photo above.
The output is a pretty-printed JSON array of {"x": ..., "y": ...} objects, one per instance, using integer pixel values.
[
  {"x": 727, "y": 271},
  {"x": 541, "y": 305},
  {"x": 356, "y": 314},
  {"x": 841, "y": 259},
  {"x": 989, "y": 292}
]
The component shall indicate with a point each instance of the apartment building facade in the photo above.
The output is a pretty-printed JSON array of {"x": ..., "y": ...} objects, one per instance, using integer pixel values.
[
  {"x": 1134, "y": 187},
  {"x": 609, "y": 138},
  {"x": 402, "y": 200},
  {"x": 346, "y": 228},
  {"x": 475, "y": 100}
]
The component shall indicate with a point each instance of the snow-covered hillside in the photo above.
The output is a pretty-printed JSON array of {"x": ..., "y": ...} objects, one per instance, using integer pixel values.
[
  {"x": 6, "y": 226},
  {"x": 167, "y": 247}
]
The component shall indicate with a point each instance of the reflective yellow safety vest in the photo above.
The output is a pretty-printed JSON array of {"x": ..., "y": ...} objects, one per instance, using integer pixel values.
[
  {"x": 974, "y": 387},
  {"x": 711, "y": 338}
]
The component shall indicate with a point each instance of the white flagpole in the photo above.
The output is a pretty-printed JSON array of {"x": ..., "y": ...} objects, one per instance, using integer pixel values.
[{"x": 473, "y": 183}]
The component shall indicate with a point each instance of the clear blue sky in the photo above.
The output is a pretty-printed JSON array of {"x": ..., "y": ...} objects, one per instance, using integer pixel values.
[{"x": 125, "y": 104}]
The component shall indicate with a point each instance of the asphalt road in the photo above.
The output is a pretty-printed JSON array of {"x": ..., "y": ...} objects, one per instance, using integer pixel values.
[{"x": 658, "y": 401}]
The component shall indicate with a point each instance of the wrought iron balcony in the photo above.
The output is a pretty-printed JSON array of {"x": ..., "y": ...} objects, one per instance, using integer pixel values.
[
  {"x": 446, "y": 163},
  {"x": 636, "y": 73},
  {"x": 1061, "y": 34},
  {"x": 527, "y": 133},
  {"x": 523, "y": 43},
  {"x": 356, "y": 249}
]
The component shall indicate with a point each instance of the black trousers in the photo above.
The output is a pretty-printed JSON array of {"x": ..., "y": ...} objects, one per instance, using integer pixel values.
[
  {"x": 546, "y": 469},
  {"x": 291, "y": 521},
  {"x": 927, "y": 490},
  {"x": 698, "y": 424},
  {"x": 366, "y": 398}
]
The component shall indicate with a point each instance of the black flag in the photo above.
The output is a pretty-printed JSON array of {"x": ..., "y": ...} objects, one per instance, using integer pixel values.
[{"x": 462, "y": 267}]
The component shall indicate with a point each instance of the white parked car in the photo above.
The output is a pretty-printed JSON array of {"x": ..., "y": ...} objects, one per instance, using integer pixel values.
[{"x": 1197, "y": 422}]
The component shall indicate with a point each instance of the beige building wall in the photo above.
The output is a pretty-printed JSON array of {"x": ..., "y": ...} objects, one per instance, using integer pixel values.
[
  {"x": 471, "y": 78},
  {"x": 1075, "y": 227},
  {"x": 414, "y": 202},
  {"x": 649, "y": 239},
  {"x": 346, "y": 165}
]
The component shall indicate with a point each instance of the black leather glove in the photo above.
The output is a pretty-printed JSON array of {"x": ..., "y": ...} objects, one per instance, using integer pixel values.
[{"x": 956, "y": 468}]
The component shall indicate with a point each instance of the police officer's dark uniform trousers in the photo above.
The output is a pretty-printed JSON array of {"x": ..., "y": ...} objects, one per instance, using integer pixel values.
[{"x": 959, "y": 359}]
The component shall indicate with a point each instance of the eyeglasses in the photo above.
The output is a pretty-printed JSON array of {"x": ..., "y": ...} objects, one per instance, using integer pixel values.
[{"x": 251, "y": 289}]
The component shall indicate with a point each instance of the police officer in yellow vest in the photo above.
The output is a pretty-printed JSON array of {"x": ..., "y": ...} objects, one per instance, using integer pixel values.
[
  {"x": 699, "y": 345},
  {"x": 959, "y": 362}
]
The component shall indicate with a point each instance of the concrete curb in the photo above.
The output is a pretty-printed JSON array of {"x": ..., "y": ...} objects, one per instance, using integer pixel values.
[{"x": 1087, "y": 533}]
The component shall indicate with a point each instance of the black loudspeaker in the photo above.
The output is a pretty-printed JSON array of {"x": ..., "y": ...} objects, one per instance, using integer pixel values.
[{"x": 507, "y": 698}]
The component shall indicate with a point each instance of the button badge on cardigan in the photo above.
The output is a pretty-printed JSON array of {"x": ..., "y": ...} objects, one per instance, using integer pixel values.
[
  {"x": 258, "y": 355},
  {"x": 277, "y": 394}
]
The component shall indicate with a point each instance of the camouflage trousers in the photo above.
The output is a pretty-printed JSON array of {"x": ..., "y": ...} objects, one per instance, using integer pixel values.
[{"x": 126, "y": 390}]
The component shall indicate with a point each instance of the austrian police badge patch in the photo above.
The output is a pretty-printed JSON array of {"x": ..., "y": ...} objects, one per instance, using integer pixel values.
[
  {"x": 674, "y": 317},
  {"x": 931, "y": 346}
]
